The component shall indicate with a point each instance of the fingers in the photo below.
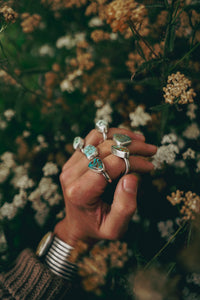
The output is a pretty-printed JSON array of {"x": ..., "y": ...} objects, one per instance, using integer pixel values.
[
  {"x": 115, "y": 223},
  {"x": 88, "y": 187},
  {"x": 95, "y": 138}
]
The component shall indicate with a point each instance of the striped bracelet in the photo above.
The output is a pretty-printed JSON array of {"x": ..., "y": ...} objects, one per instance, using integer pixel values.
[{"x": 56, "y": 259}]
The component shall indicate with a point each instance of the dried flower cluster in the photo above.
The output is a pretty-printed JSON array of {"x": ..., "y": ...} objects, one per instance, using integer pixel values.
[
  {"x": 30, "y": 22},
  {"x": 121, "y": 12},
  {"x": 190, "y": 203},
  {"x": 178, "y": 89},
  {"x": 100, "y": 261},
  {"x": 8, "y": 14}
]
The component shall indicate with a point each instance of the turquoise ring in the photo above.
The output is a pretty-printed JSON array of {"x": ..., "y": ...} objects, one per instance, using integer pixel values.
[
  {"x": 122, "y": 139},
  {"x": 90, "y": 152},
  {"x": 96, "y": 165},
  {"x": 78, "y": 143},
  {"x": 102, "y": 126},
  {"x": 122, "y": 152}
]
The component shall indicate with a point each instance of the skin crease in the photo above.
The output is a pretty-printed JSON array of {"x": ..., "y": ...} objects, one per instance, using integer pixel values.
[{"x": 88, "y": 217}]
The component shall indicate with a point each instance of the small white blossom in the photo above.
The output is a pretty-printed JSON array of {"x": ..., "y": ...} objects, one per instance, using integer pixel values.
[
  {"x": 189, "y": 154},
  {"x": 26, "y": 133},
  {"x": 67, "y": 86},
  {"x": 4, "y": 172},
  {"x": 191, "y": 111},
  {"x": 113, "y": 36},
  {"x": 3, "y": 241},
  {"x": 180, "y": 164},
  {"x": 20, "y": 199},
  {"x": 181, "y": 143},
  {"x": 95, "y": 22},
  {"x": 9, "y": 114},
  {"x": 166, "y": 229},
  {"x": 139, "y": 117},
  {"x": 24, "y": 182},
  {"x": 8, "y": 210},
  {"x": 3, "y": 124},
  {"x": 104, "y": 113},
  {"x": 41, "y": 215},
  {"x": 169, "y": 138},
  {"x": 19, "y": 172},
  {"x": 55, "y": 200},
  {"x": 50, "y": 169},
  {"x": 70, "y": 41},
  {"x": 192, "y": 132},
  {"x": 40, "y": 139},
  {"x": 46, "y": 50},
  {"x": 35, "y": 195},
  {"x": 8, "y": 159},
  {"x": 99, "y": 103},
  {"x": 166, "y": 153}
]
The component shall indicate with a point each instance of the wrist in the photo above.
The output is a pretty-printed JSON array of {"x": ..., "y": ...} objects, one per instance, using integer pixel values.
[{"x": 62, "y": 233}]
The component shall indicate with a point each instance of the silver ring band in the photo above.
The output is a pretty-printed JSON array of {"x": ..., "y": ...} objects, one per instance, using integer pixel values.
[
  {"x": 96, "y": 165},
  {"x": 122, "y": 152}
]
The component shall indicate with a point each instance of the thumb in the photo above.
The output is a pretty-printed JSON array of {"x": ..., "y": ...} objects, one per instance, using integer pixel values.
[{"x": 122, "y": 208}]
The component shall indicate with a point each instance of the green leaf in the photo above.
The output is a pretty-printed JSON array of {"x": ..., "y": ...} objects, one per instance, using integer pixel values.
[{"x": 160, "y": 107}]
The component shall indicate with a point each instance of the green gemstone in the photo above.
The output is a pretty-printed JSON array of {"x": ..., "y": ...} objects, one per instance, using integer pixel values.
[
  {"x": 90, "y": 151},
  {"x": 122, "y": 139},
  {"x": 96, "y": 165}
]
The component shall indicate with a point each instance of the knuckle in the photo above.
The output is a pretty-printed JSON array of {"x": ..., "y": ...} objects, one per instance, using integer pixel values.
[{"x": 92, "y": 133}]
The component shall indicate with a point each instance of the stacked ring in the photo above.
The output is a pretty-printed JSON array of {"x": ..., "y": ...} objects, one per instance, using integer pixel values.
[
  {"x": 78, "y": 143},
  {"x": 90, "y": 151},
  {"x": 96, "y": 165},
  {"x": 122, "y": 152},
  {"x": 102, "y": 126}
]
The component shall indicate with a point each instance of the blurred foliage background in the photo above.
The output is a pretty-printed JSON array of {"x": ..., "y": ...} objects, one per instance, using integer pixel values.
[{"x": 63, "y": 66}]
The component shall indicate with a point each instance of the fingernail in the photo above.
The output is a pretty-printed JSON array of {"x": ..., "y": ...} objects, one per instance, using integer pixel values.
[
  {"x": 152, "y": 148},
  {"x": 130, "y": 186}
]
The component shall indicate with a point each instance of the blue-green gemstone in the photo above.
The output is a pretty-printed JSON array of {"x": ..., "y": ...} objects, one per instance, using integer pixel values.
[
  {"x": 90, "y": 151},
  {"x": 96, "y": 165},
  {"x": 122, "y": 139}
]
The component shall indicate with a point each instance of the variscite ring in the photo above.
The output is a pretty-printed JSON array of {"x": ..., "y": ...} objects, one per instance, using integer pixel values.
[
  {"x": 102, "y": 126},
  {"x": 90, "y": 152},
  {"x": 122, "y": 139},
  {"x": 122, "y": 152},
  {"x": 78, "y": 143},
  {"x": 96, "y": 165}
]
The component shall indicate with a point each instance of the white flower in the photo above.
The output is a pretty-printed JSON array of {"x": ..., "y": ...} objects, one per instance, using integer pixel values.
[
  {"x": 180, "y": 164},
  {"x": 169, "y": 138},
  {"x": 191, "y": 111},
  {"x": 139, "y": 117},
  {"x": 40, "y": 139},
  {"x": 19, "y": 172},
  {"x": 189, "y": 153},
  {"x": 24, "y": 182},
  {"x": 20, "y": 199},
  {"x": 41, "y": 215},
  {"x": 50, "y": 169},
  {"x": 181, "y": 143},
  {"x": 8, "y": 210},
  {"x": 9, "y": 114},
  {"x": 8, "y": 159},
  {"x": 67, "y": 86},
  {"x": 46, "y": 50},
  {"x": 4, "y": 172},
  {"x": 113, "y": 36},
  {"x": 47, "y": 187},
  {"x": 70, "y": 41},
  {"x": 104, "y": 113},
  {"x": 192, "y": 131},
  {"x": 166, "y": 229},
  {"x": 95, "y": 22},
  {"x": 198, "y": 166},
  {"x": 166, "y": 153},
  {"x": 3, "y": 242},
  {"x": 98, "y": 103},
  {"x": 3, "y": 124},
  {"x": 26, "y": 133},
  {"x": 55, "y": 199},
  {"x": 35, "y": 195}
]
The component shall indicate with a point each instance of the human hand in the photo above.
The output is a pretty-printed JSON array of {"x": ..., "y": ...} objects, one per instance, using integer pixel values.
[{"x": 88, "y": 217}]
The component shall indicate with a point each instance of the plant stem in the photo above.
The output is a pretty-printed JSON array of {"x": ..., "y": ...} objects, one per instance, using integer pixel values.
[
  {"x": 188, "y": 53},
  {"x": 165, "y": 246}
]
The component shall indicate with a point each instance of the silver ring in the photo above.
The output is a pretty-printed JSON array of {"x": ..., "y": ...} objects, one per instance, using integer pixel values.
[
  {"x": 90, "y": 152},
  {"x": 122, "y": 139},
  {"x": 102, "y": 126},
  {"x": 78, "y": 143},
  {"x": 96, "y": 165},
  {"x": 122, "y": 152}
]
